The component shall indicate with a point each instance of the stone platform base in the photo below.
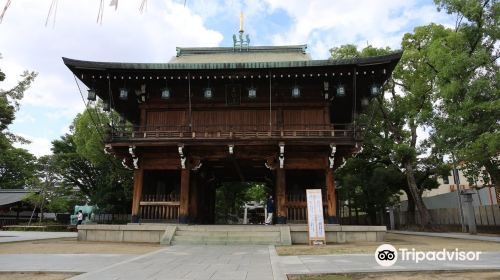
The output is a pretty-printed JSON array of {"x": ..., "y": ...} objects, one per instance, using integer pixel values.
[
  {"x": 340, "y": 233},
  {"x": 225, "y": 234}
]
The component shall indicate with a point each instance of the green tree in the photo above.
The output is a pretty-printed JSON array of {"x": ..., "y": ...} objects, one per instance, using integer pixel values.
[
  {"x": 100, "y": 176},
  {"x": 49, "y": 194},
  {"x": 16, "y": 165},
  {"x": 231, "y": 197},
  {"x": 9, "y": 104},
  {"x": 465, "y": 64},
  {"x": 393, "y": 119},
  {"x": 75, "y": 170},
  {"x": 17, "y": 168},
  {"x": 369, "y": 185}
]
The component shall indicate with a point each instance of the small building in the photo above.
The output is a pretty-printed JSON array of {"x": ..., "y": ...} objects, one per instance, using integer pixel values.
[
  {"x": 245, "y": 113},
  {"x": 13, "y": 208}
]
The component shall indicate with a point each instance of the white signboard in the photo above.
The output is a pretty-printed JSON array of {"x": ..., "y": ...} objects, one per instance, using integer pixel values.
[{"x": 315, "y": 221}]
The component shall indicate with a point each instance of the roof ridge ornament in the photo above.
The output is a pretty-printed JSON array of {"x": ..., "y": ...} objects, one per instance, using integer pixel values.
[{"x": 241, "y": 43}]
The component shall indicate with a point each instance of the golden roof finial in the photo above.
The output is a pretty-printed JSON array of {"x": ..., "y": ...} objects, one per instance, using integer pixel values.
[{"x": 241, "y": 22}]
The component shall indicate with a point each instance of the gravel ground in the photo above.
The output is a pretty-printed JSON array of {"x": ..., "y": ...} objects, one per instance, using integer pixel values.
[
  {"x": 72, "y": 246},
  {"x": 35, "y": 276},
  {"x": 421, "y": 243},
  {"x": 477, "y": 275}
]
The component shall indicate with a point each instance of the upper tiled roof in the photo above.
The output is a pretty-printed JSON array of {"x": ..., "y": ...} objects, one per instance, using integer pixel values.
[{"x": 241, "y": 55}]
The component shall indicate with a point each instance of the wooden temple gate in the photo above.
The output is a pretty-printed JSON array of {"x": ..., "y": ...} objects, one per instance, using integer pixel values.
[{"x": 213, "y": 115}]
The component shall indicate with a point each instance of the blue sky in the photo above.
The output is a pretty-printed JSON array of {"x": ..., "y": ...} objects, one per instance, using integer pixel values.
[{"x": 126, "y": 35}]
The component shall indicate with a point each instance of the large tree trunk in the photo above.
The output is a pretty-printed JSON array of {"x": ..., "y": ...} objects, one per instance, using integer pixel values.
[
  {"x": 410, "y": 211},
  {"x": 494, "y": 173},
  {"x": 425, "y": 217}
]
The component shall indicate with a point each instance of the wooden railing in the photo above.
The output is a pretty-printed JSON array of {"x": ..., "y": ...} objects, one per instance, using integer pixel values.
[
  {"x": 296, "y": 204},
  {"x": 290, "y": 131},
  {"x": 160, "y": 207}
]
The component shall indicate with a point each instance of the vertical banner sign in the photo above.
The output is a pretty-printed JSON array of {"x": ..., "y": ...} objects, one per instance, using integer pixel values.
[{"x": 315, "y": 221}]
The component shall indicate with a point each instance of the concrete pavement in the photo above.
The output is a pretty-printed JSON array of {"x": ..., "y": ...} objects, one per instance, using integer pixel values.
[
  {"x": 59, "y": 262},
  {"x": 14, "y": 236},
  {"x": 194, "y": 262},
  {"x": 219, "y": 262}
]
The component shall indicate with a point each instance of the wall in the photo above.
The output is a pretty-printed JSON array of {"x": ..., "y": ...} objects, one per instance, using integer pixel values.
[
  {"x": 450, "y": 200},
  {"x": 217, "y": 119},
  {"x": 485, "y": 216}
]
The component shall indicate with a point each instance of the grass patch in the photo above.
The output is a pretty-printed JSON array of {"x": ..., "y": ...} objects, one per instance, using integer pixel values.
[{"x": 421, "y": 243}]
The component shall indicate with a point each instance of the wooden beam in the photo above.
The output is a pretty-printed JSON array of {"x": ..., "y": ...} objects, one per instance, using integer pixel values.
[
  {"x": 281, "y": 210},
  {"x": 184, "y": 197},
  {"x": 137, "y": 194},
  {"x": 306, "y": 163},
  {"x": 331, "y": 198},
  {"x": 159, "y": 203},
  {"x": 172, "y": 163}
]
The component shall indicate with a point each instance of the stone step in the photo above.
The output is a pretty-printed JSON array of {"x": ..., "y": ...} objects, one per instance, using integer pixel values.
[
  {"x": 200, "y": 242},
  {"x": 229, "y": 234},
  {"x": 229, "y": 238},
  {"x": 242, "y": 228},
  {"x": 271, "y": 234},
  {"x": 225, "y": 240}
]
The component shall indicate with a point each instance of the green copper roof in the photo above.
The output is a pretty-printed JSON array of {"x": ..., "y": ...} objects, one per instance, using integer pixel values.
[
  {"x": 241, "y": 55},
  {"x": 103, "y": 66}
]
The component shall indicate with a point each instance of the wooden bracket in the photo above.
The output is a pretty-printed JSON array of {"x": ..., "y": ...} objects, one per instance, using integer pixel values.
[
  {"x": 282, "y": 154},
  {"x": 331, "y": 158},
  {"x": 196, "y": 163},
  {"x": 270, "y": 163},
  {"x": 135, "y": 158},
  {"x": 182, "y": 156}
]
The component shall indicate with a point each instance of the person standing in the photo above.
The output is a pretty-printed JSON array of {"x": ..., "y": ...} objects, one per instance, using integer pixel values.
[
  {"x": 79, "y": 217},
  {"x": 270, "y": 210}
]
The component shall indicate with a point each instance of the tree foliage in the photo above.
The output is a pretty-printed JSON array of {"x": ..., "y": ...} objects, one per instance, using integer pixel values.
[
  {"x": 17, "y": 168},
  {"x": 16, "y": 165},
  {"x": 392, "y": 147},
  {"x": 231, "y": 196},
  {"x": 466, "y": 69},
  {"x": 82, "y": 163}
]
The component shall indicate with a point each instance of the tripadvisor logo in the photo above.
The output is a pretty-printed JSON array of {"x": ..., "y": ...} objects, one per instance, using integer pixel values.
[{"x": 387, "y": 255}]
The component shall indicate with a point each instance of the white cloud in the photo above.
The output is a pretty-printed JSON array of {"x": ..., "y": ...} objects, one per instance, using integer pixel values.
[
  {"x": 325, "y": 23},
  {"x": 39, "y": 146},
  {"x": 128, "y": 36},
  {"x": 125, "y": 35}
]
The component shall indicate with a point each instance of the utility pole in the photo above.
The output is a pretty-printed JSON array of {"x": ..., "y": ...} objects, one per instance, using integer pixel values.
[{"x": 456, "y": 179}]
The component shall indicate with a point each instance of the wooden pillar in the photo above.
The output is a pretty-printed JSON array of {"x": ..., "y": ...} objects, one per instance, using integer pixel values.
[
  {"x": 212, "y": 190},
  {"x": 137, "y": 194},
  {"x": 202, "y": 200},
  {"x": 193, "y": 198},
  {"x": 331, "y": 198},
  {"x": 281, "y": 210},
  {"x": 184, "y": 197}
]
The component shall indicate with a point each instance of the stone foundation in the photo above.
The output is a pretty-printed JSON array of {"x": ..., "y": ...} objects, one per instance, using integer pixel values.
[{"x": 225, "y": 234}]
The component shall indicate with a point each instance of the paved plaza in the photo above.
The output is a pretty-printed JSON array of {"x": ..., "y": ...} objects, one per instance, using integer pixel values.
[
  {"x": 15, "y": 236},
  {"x": 214, "y": 262}
]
